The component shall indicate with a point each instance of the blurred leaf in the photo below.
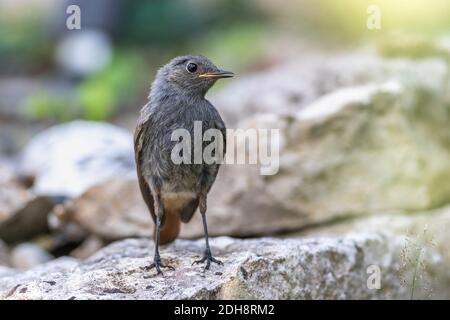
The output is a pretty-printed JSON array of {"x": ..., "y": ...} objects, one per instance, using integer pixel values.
[
  {"x": 45, "y": 106},
  {"x": 102, "y": 94}
]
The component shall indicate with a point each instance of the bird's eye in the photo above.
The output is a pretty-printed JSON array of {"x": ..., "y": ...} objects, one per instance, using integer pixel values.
[{"x": 191, "y": 67}]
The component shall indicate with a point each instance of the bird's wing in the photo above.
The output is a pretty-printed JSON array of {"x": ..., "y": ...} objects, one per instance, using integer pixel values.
[
  {"x": 139, "y": 140},
  {"x": 212, "y": 171},
  {"x": 221, "y": 126}
]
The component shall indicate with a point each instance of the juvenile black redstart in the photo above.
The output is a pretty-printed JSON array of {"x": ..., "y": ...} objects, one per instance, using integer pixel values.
[{"x": 172, "y": 191}]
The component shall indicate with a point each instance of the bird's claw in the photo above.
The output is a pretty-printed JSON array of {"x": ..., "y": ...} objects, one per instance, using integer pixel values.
[
  {"x": 208, "y": 258},
  {"x": 157, "y": 264}
]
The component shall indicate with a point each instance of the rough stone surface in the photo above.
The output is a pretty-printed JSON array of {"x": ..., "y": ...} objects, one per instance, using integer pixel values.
[
  {"x": 429, "y": 228},
  {"x": 356, "y": 151},
  {"x": 372, "y": 153},
  {"x": 324, "y": 268},
  {"x": 77, "y": 156}
]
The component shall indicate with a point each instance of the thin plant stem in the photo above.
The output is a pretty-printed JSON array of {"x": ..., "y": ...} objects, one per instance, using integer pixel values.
[{"x": 415, "y": 273}]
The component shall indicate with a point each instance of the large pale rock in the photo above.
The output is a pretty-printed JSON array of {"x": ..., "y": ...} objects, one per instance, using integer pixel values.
[
  {"x": 69, "y": 158},
  {"x": 357, "y": 150},
  {"x": 323, "y": 268},
  {"x": 419, "y": 232},
  {"x": 295, "y": 84}
]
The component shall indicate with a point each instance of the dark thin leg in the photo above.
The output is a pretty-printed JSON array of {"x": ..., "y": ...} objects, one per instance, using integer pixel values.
[
  {"x": 207, "y": 256},
  {"x": 157, "y": 259}
]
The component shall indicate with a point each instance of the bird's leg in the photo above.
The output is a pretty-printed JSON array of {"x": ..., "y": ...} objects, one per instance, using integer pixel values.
[
  {"x": 157, "y": 264},
  {"x": 207, "y": 256}
]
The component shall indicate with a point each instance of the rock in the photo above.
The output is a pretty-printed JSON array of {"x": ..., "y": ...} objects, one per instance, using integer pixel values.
[
  {"x": 22, "y": 213},
  {"x": 89, "y": 246},
  {"x": 419, "y": 232},
  {"x": 111, "y": 210},
  {"x": 28, "y": 221},
  {"x": 295, "y": 84},
  {"x": 100, "y": 212},
  {"x": 321, "y": 268},
  {"x": 358, "y": 150},
  {"x": 28, "y": 255},
  {"x": 77, "y": 156},
  {"x": 429, "y": 228}
]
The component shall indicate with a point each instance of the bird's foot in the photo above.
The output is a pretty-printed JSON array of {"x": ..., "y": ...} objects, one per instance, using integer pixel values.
[
  {"x": 157, "y": 264},
  {"x": 208, "y": 258}
]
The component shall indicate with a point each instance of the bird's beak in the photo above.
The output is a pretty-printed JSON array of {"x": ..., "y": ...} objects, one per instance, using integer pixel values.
[{"x": 217, "y": 74}]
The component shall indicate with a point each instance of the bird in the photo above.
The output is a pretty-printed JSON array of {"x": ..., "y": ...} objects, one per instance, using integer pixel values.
[{"x": 173, "y": 192}]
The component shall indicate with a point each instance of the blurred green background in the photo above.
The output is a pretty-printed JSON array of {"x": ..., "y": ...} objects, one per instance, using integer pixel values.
[{"x": 104, "y": 70}]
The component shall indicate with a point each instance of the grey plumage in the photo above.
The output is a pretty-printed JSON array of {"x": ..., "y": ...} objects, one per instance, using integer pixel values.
[{"x": 176, "y": 100}]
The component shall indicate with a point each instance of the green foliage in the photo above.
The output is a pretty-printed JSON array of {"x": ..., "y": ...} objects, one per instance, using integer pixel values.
[
  {"x": 98, "y": 97},
  {"x": 103, "y": 93},
  {"x": 45, "y": 106}
]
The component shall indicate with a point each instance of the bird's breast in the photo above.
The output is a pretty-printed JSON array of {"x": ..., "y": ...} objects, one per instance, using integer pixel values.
[{"x": 175, "y": 201}]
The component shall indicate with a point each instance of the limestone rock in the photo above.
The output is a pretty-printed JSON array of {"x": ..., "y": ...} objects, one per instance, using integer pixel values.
[
  {"x": 358, "y": 150},
  {"x": 111, "y": 210},
  {"x": 429, "y": 228},
  {"x": 321, "y": 268},
  {"x": 294, "y": 85},
  {"x": 77, "y": 156}
]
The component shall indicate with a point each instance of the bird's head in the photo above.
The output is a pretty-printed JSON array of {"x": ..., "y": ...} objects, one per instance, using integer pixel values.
[{"x": 193, "y": 75}]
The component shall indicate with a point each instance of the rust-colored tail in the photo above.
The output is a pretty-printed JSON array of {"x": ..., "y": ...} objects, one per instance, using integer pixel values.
[{"x": 171, "y": 227}]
